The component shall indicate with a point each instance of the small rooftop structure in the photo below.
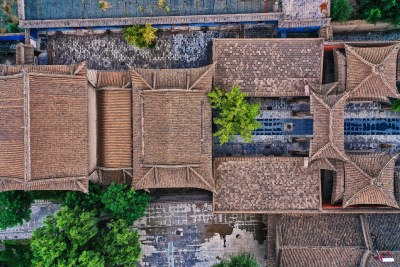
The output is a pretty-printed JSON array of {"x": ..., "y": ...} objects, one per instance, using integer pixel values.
[
  {"x": 268, "y": 67},
  {"x": 172, "y": 139},
  {"x": 327, "y": 108},
  {"x": 370, "y": 180},
  {"x": 265, "y": 184},
  {"x": 44, "y": 128},
  {"x": 367, "y": 71}
]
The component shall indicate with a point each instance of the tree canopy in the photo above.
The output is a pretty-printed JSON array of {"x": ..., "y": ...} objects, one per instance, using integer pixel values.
[
  {"x": 379, "y": 10},
  {"x": 124, "y": 203},
  {"x": 341, "y": 10},
  {"x": 78, "y": 238},
  {"x": 15, "y": 207},
  {"x": 86, "y": 202},
  {"x": 142, "y": 36},
  {"x": 236, "y": 115}
]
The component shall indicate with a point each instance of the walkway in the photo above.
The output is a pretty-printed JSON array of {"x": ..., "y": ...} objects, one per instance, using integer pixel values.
[
  {"x": 186, "y": 233},
  {"x": 40, "y": 209}
]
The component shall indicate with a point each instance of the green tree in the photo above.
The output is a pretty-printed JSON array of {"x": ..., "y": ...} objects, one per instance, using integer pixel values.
[
  {"x": 142, "y": 36},
  {"x": 341, "y": 10},
  {"x": 122, "y": 244},
  {"x": 78, "y": 238},
  {"x": 15, "y": 207},
  {"x": 87, "y": 202},
  {"x": 379, "y": 10},
  {"x": 236, "y": 115},
  {"x": 17, "y": 253},
  {"x": 396, "y": 105},
  {"x": 124, "y": 203},
  {"x": 241, "y": 260}
]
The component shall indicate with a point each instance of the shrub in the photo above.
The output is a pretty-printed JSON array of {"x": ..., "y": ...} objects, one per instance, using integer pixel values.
[
  {"x": 396, "y": 105},
  {"x": 241, "y": 260},
  {"x": 341, "y": 10},
  {"x": 15, "y": 207},
  {"x": 142, "y": 36},
  {"x": 87, "y": 202},
  {"x": 104, "y": 5},
  {"x": 123, "y": 203},
  {"x": 236, "y": 115},
  {"x": 13, "y": 28},
  {"x": 17, "y": 253},
  {"x": 161, "y": 4}
]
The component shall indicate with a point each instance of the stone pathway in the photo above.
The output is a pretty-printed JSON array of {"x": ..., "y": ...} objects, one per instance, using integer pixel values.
[
  {"x": 40, "y": 209},
  {"x": 186, "y": 233},
  {"x": 110, "y": 51}
]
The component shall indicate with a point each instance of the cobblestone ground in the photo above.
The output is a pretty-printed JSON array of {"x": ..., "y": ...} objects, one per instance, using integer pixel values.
[
  {"x": 369, "y": 36},
  {"x": 188, "y": 234},
  {"x": 40, "y": 209},
  {"x": 108, "y": 51}
]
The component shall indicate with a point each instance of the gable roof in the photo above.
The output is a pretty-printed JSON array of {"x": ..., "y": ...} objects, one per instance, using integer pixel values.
[
  {"x": 321, "y": 256},
  {"x": 268, "y": 67},
  {"x": 371, "y": 72},
  {"x": 172, "y": 128},
  {"x": 114, "y": 116},
  {"x": 328, "y": 114},
  {"x": 265, "y": 184},
  {"x": 370, "y": 180},
  {"x": 43, "y": 137}
]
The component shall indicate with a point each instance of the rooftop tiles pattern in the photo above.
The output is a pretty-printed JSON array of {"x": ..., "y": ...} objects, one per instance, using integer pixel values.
[
  {"x": 317, "y": 257},
  {"x": 266, "y": 184},
  {"x": 54, "y": 118},
  {"x": 384, "y": 230},
  {"x": 370, "y": 180},
  {"x": 321, "y": 230},
  {"x": 268, "y": 67},
  {"x": 165, "y": 102}
]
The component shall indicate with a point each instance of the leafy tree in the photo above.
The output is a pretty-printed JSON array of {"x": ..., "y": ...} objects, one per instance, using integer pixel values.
[
  {"x": 396, "y": 105},
  {"x": 123, "y": 203},
  {"x": 15, "y": 207},
  {"x": 86, "y": 202},
  {"x": 379, "y": 10},
  {"x": 341, "y": 10},
  {"x": 142, "y": 36},
  {"x": 17, "y": 253},
  {"x": 78, "y": 238},
  {"x": 236, "y": 114},
  {"x": 123, "y": 244},
  {"x": 241, "y": 260}
]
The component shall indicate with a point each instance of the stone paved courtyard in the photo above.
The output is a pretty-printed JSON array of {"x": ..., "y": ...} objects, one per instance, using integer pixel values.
[
  {"x": 186, "y": 233},
  {"x": 109, "y": 51}
]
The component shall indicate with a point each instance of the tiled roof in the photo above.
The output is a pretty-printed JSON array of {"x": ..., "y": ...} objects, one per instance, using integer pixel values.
[
  {"x": 385, "y": 231},
  {"x": 321, "y": 257},
  {"x": 327, "y": 230},
  {"x": 172, "y": 128},
  {"x": 264, "y": 184},
  {"x": 370, "y": 180},
  {"x": 45, "y": 132},
  {"x": 328, "y": 113},
  {"x": 338, "y": 182},
  {"x": 268, "y": 67},
  {"x": 340, "y": 69},
  {"x": 321, "y": 240},
  {"x": 114, "y": 116},
  {"x": 371, "y": 72}
]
